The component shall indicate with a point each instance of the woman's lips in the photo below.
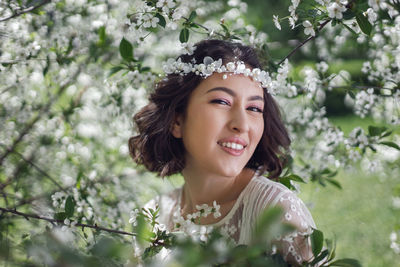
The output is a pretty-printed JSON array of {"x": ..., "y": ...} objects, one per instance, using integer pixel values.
[{"x": 233, "y": 151}]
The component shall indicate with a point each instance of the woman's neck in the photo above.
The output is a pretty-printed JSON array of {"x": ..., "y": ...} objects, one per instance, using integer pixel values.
[{"x": 204, "y": 188}]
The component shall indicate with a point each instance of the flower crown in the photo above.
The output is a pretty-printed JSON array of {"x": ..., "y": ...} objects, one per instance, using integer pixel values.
[{"x": 209, "y": 66}]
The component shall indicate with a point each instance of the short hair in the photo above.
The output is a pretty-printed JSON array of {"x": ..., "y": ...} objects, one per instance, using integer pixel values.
[{"x": 159, "y": 151}]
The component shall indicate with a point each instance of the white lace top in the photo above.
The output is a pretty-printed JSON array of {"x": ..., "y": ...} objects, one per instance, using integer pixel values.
[{"x": 238, "y": 225}]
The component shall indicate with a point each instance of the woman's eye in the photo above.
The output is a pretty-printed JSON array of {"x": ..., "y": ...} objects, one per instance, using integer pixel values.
[
  {"x": 220, "y": 101},
  {"x": 255, "y": 109}
]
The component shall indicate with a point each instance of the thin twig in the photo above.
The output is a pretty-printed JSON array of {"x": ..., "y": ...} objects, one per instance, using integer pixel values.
[
  {"x": 204, "y": 27},
  {"x": 16, "y": 172},
  {"x": 40, "y": 170},
  {"x": 364, "y": 87},
  {"x": 24, "y": 201},
  {"x": 26, "y": 10},
  {"x": 83, "y": 225},
  {"x": 304, "y": 42},
  {"x": 16, "y": 61}
]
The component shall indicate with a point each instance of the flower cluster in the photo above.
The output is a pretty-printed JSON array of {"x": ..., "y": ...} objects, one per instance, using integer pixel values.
[
  {"x": 364, "y": 102},
  {"x": 357, "y": 138},
  {"x": 394, "y": 242},
  {"x": 190, "y": 224},
  {"x": 209, "y": 66}
]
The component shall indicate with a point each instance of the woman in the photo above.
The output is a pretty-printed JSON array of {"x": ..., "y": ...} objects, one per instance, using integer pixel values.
[{"x": 212, "y": 120}]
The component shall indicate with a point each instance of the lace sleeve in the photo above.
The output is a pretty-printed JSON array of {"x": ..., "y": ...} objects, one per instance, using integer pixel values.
[{"x": 296, "y": 246}]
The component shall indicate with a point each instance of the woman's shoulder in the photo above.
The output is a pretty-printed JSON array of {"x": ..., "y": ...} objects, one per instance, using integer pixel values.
[
  {"x": 264, "y": 193},
  {"x": 269, "y": 191}
]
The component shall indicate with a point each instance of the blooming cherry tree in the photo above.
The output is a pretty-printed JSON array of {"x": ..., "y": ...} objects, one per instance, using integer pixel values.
[{"x": 74, "y": 72}]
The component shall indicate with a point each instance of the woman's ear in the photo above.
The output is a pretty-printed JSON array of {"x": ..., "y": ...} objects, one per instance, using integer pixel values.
[{"x": 176, "y": 127}]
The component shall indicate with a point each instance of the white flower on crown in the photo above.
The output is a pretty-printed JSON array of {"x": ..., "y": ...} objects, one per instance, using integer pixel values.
[{"x": 209, "y": 66}]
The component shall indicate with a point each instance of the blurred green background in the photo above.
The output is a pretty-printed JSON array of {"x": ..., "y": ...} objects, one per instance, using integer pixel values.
[{"x": 360, "y": 216}]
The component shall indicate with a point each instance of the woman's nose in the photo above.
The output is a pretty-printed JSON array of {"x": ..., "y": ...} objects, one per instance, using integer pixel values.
[{"x": 239, "y": 121}]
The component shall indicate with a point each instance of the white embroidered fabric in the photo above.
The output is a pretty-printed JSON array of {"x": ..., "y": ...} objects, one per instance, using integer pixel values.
[{"x": 238, "y": 225}]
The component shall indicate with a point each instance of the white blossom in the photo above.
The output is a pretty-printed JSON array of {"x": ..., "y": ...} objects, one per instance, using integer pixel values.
[
  {"x": 150, "y": 21},
  {"x": 336, "y": 10},
  {"x": 165, "y": 5},
  {"x": 322, "y": 66},
  {"x": 372, "y": 16},
  {"x": 276, "y": 22},
  {"x": 308, "y": 28},
  {"x": 188, "y": 48}
]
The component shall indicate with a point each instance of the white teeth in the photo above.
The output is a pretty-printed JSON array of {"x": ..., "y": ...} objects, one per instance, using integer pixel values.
[{"x": 232, "y": 145}]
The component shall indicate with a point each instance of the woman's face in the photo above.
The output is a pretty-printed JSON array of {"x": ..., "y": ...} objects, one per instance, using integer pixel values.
[{"x": 222, "y": 125}]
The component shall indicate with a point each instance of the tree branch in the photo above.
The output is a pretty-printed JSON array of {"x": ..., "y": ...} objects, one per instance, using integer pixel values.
[
  {"x": 29, "y": 161},
  {"x": 23, "y": 201},
  {"x": 35, "y": 216},
  {"x": 204, "y": 28},
  {"x": 26, "y": 10},
  {"x": 304, "y": 42}
]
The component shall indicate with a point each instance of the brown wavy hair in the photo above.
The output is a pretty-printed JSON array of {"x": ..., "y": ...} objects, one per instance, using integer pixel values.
[{"x": 159, "y": 151}]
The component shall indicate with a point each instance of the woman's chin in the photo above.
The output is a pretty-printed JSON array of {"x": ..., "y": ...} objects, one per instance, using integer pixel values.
[{"x": 231, "y": 172}]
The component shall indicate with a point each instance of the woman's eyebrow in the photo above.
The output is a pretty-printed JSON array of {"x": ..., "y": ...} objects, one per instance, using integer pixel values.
[{"x": 232, "y": 93}]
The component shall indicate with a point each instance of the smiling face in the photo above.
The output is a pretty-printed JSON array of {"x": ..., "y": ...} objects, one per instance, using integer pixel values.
[{"x": 222, "y": 125}]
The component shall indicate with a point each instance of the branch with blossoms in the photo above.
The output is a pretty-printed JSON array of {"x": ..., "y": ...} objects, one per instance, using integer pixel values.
[
  {"x": 65, "y": 222},
  {"x": 304, "y": 42},
  {"x": 30, "y": 162},
  {"x": 22, "y": 10},
  {"x": 45, "y": 109}
]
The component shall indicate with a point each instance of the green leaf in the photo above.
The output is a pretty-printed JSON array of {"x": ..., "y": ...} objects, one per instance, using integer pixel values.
[
  {"x": 291, "y": 177},
  {"x": 348, "y": 14},
  {"x": 286, "y": 182},
  {"x": 326, "y": 171},
  {"x": 60, "y": 216},
  {"x": 350, "y": 29},
  {"x": 126, "y": 49},
  {"x": 352, "y": 95},
  {"x": 364, "y": 24},
  {"x": 78, "y": 179},
  {"x": 317, "y": 241},
  {"x": 226, "y": 30},
  {"x": 192, "y": 16},
  {"x": 372, "y": 148},
  {"x": 161, "y": 21},
  {"x": 143, "y": 230},
  {"x": 296, "y": 178},
  {"x": 385, "y": 134},
  {"x": 184, "y": 35},
  {"x": 46, "y": 69},
  {"x": 114, "y": 70},
  {"x": 69, "y": 206},
  {"x": 321, "y": 256},
  {"x": 391, "y": 144},
  {"x": 346, "y": 263},
  {"x": 375, "y": 131},
  {"x": 145, "y": 69},
  {"x": 334, "y": 183},
  {"x": 102, "y": 36},
  {"x": 331, "y": 246},
  {"x": 151, "y": 251}
]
